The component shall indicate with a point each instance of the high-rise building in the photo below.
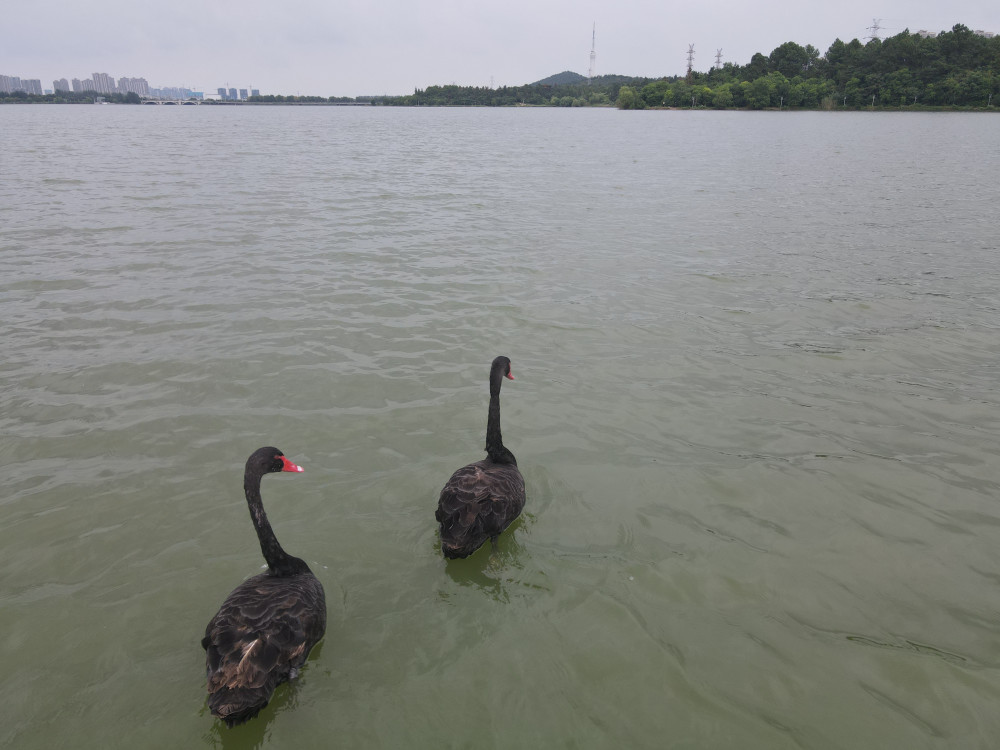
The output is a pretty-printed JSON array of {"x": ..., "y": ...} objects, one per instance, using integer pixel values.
[
  {"x": 222, "y": 94},
  {"x": 174, "y": 93},
  {"x": 243, "y": 94},
  {"x": 10, "y": 84},
  {"x": 232, "y": 94},
  {"x": 133, "y": 85},
  {"x": 61, "y": 85},
  {"x": 104, "y": 84},
  {"x": 254, "y": 92}
]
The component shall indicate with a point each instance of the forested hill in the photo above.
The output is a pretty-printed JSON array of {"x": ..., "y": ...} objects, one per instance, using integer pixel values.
[
  {"x": 600, "y": 91},
  {"x": 567, "y": 77},
  {"x": 956, "y": 68}
]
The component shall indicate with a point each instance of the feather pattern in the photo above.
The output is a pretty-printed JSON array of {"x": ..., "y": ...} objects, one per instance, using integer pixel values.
[
  {"x": 478, "y": 503},
  {"x": 266, "y": 627},
  {"x": 482, "y": 499},
  {"x": 260, "y": 637}
]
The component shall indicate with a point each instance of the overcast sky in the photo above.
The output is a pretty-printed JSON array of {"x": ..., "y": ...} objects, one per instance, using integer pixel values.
[{"x": 358, "y": 47}]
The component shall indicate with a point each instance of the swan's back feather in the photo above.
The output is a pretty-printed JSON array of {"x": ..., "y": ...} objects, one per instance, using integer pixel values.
[
  {"x": 478, "y": 503},
  {"x": 258, "y": 639}
]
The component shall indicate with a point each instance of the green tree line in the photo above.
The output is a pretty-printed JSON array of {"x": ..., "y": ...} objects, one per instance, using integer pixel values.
[
  {"x": 68, "y": 97},
  {"x": 600, "y": 92},
  {"x": 956, "y": 68}
]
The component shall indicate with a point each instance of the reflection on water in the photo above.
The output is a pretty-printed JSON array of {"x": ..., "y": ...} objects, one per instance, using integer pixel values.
[
  {"x": 492, "y": 568},
  {"x": 254, "y": 734}
]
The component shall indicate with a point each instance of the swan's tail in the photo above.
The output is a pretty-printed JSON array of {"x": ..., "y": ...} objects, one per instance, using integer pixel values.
[
  {"x": 238, "y": 705},
  {"x": 455, "y": 550}
]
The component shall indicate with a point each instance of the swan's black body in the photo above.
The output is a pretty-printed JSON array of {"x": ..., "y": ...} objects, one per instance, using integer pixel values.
[
  {"x": 266, "y": 627},
  {"x": 482, "y": 499}
]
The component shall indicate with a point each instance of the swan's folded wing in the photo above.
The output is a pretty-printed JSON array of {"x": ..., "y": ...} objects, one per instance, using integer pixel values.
[
  {"x": 263, "y": 632},
  {"x": 478, "y": 502}
]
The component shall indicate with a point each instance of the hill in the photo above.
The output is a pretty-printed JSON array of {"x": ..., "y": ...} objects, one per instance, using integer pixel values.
[{"x": 561, "y": 79}]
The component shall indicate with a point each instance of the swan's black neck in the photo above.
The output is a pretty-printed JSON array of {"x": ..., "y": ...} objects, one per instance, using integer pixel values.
[
  {"x": 278, "y": 561},
  {"x": 495, "y": 449}
]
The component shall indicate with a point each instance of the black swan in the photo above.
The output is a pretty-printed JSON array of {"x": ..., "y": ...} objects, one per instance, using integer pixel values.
[
  {"x": 265, "y": 629},
  {"x": 482, "y": 499}
]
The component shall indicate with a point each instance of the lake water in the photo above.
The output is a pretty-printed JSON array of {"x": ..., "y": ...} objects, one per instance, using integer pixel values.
[{"x": 756, "y": 406}]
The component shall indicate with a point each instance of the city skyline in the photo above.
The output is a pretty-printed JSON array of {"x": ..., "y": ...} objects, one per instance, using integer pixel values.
[{"x": 104, "y": 83}]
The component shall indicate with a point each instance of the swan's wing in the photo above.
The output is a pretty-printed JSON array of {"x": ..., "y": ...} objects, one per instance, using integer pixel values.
[
  {"x": 478, "y": 502},
  {"x": 260, "y": 636}
]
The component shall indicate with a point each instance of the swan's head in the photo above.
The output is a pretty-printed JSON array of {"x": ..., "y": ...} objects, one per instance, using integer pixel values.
[
  {"x": 268, "y": 460},
  {"x": 502, "y": 365}
]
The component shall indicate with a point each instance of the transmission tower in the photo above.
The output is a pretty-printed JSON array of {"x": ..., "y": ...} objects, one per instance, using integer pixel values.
[
  {"x": 690, "y": 60},
  {"x": 593, "y": 54},
  {"x": 874, "y": 29},
  {"x": 718, "y": 58}
]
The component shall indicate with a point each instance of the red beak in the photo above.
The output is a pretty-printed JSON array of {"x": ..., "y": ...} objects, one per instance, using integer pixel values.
[
  {"x": 510, "y": 375},
  {"x": 289, "y": 466}
]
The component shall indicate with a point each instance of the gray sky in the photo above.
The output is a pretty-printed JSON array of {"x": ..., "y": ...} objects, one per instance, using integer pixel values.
[{"x": 357, "y": 47}]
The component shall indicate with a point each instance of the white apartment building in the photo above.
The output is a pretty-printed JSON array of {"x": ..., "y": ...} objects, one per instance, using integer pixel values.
[
  {"x": 134, "y": 85},
  {"x": 10, "y": 84},
  {"x": 104, "y": 84}
]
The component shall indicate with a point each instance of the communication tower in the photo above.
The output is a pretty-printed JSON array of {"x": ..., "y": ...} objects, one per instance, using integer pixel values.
[
  {"x": 718, "y": 58},
  {"x": 690, "y": 61},
  {"x": 593, "y": 54}
]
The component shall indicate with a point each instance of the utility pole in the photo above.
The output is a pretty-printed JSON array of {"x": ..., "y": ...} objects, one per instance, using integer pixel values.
[{"x": 593, "y": 54}]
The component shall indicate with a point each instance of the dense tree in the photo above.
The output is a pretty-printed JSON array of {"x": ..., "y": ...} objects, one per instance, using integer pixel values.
[
  {"x": 628, "y": 98},
  {"x": 792, "y": 60},
  {"x": 722, "y": 96},
  {"x": 955, "y": 68},
  {"x": 758, "y": 67},
  {"x": 760, "y": 92},
  {"x": 68, "y": 97},
  {"x": 655, "y": 94}
]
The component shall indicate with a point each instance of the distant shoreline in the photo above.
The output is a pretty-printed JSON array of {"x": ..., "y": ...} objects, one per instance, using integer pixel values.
[{"x": 697, "y": 108}]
